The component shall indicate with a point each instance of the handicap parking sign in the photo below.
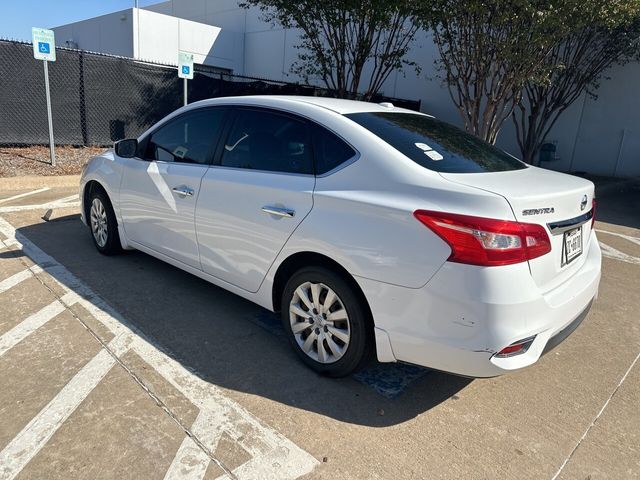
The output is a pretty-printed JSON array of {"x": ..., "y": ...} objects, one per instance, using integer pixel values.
[
  {"x": 44, "y": 44},
  {"x": 185, "y": 65}
]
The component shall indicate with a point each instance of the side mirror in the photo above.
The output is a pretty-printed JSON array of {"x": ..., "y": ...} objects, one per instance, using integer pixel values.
[{"x": 126, "y": 148}]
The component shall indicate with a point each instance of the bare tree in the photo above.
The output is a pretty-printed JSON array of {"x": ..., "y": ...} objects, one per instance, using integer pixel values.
[
  {"x": 574, "y": 67},
  {"x": 351, "y": 46},
  {"x": 488, "y": 50}
]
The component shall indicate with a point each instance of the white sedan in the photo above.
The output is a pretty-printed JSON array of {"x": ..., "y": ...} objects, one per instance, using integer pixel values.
[{"x": 373, "y": 229}]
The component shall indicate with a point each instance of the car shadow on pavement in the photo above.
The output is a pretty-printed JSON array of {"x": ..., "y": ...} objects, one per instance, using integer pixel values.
[{"x": 214, "y": 334}]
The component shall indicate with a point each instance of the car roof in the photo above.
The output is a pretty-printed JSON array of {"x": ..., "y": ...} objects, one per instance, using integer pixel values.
[{"x": 337, "y": 105}]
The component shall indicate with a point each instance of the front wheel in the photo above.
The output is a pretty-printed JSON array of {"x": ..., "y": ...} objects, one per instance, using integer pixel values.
[
  {"x": 103, "y": 224},
  {"x": 326, "y": 321}
]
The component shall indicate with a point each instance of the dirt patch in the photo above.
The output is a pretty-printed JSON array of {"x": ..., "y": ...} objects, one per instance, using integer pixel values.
[{"x": 22, "y": 161}]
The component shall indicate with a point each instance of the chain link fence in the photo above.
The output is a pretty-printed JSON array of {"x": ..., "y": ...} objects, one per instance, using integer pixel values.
[{"x": 98, "y": 99}]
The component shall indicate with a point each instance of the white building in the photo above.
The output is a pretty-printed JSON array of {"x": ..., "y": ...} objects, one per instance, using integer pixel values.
[{"x": 599, "y": 137}]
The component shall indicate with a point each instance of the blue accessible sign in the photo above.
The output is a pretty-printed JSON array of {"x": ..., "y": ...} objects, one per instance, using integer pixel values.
[
  {"x": 185, "y": 65},
  {"x": 44, "y": 44}
]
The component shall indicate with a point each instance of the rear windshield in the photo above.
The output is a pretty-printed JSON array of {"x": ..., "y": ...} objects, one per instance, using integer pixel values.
[{"x": 436, "y": 145}]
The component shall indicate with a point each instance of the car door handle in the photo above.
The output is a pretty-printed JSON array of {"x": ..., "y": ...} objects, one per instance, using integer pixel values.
[
  {"x": 183, "y": 191},
  {"x": 280, "y": 211}
]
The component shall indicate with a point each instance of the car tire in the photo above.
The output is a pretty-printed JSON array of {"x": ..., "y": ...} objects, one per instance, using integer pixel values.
[
  {"x": 103, "y": 224},
  {"x": 321, "y": 305}
]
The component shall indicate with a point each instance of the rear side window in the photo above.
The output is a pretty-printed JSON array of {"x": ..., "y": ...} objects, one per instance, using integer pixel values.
[
  {"x": 262, "y": 140},
  {"x": 436, "y": 145},
  {"x": 330, "y": 151},
  {"x": 186, "y": 139}
]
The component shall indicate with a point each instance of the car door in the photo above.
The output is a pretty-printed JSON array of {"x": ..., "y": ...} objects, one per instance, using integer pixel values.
[
  {"x": 160, "y": 187},
  {"x": 254, "y": 197}
]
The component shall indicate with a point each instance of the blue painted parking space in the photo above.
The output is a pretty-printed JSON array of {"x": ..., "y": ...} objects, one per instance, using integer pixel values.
[{"x": 387, "y": 379}]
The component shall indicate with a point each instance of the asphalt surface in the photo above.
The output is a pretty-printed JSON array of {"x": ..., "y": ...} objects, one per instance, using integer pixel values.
[{"x": 125, "y": 367}]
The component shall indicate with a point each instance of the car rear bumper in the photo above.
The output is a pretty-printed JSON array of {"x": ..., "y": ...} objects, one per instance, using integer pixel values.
[
  {"x": 465, "y": 315},
  {"x": 563, "y": 334}
]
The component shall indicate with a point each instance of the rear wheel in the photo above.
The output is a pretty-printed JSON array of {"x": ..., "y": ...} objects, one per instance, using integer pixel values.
[
  {"x": 103, "y": 224},
  {"x": 326, "y": 321}
]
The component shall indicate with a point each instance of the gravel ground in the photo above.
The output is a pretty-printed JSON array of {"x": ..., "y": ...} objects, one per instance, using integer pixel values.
[{"x": 21, "y": 161}]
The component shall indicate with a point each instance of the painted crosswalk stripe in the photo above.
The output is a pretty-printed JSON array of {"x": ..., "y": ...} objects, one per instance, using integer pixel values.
[
  {"x": 22, "y": 195},
  {"x": 41, "y": 428},
  {"x": 28, "y": 326},
  {"x": 15, "y": 279}
]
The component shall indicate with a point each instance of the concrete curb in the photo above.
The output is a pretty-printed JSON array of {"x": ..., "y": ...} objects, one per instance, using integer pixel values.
[{"x": 33, "y": 182}]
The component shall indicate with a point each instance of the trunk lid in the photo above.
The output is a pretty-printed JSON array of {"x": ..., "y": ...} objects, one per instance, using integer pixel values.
[{"x": 546, "y": 198}]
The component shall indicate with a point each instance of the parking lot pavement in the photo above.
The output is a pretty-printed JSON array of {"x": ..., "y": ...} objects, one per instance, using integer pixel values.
[{"x": 125, "y": 367}]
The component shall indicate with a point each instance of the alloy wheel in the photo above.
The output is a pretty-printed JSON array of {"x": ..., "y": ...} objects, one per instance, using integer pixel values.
[
  {"x": 319, "y": 322},
  {"x": 99, "y": 226}
]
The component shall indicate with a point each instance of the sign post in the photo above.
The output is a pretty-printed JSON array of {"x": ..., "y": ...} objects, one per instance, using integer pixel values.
[
  {"x": 44, "y": 48},
  {"x": 185, "y": 69}
]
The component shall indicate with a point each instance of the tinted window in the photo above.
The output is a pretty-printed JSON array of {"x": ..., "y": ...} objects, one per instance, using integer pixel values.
[
  {"x": 330, "y": 151},
  {"x": 261, "y": 140},
  {"x": 187, "y": 139},
  {"x": 436, "y": 145}
]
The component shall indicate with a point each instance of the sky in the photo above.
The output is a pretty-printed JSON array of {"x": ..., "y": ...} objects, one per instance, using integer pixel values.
[{"x": 18, "y": 16}]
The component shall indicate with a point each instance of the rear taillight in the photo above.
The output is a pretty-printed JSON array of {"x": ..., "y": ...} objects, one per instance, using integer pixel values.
[
  {"x": 593, "y": 213},
  {"x": 486, "y": 241}
]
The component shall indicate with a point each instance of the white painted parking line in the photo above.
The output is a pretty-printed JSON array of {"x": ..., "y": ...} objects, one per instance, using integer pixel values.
[
  {"x": 41, "y": 428},
  {"x": 616, "y": 254},
  {"x": 8, "y": 231},
  {"x": 8, "y": 243},
  {"x": 190, "y": 462},
  {"x": 208, "y": 426},
  {"x": 30, "y": 325},
  {"x": 42, "y": 206},
  {"x": 594, "y": 421},
  {"x": 15, "y": 279},
  {"x": 68, "y": 199},
  {"x": 22, "y": 195},
  {"x": 273, "y": 455},
  {"x": 635, "y": 240}
]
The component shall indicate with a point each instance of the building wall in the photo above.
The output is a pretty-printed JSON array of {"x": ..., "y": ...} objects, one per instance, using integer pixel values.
[
  {"x": 596, "y": 136},
  {"x": 608, "y": 141},
  {"x": 161, "y": 36},
  {"x": 154, "y": 37},
  {"x": 112, "y": 33}
]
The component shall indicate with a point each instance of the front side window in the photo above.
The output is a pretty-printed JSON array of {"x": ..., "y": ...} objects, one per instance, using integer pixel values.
[
  {"x": 262, "y": 140},
  {"x": 189, "y": 138},
  {"x": 436, "y": 145}
]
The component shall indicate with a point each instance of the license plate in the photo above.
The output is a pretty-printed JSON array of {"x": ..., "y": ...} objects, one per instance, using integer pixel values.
[{"x": 572, "y": 245}]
